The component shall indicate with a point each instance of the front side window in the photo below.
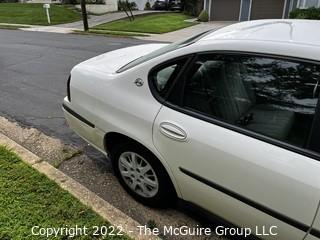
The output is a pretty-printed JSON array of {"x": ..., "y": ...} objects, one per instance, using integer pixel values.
[{"x": 273, "y": 97}]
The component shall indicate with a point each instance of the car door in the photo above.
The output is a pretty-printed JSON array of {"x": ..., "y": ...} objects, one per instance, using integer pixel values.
[
  {"x": 314, "y": 231},
  {"x": 240, "y": 134}
]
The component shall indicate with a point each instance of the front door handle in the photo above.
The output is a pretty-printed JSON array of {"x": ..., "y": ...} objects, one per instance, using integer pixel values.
[{"x": 173, "y": 131}]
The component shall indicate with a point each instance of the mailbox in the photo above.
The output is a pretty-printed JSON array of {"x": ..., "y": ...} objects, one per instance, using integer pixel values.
[{"x": 46, "y": 6}]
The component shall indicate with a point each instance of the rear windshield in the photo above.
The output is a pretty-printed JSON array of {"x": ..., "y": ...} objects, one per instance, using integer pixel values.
[{"x": 169, "y": 48}]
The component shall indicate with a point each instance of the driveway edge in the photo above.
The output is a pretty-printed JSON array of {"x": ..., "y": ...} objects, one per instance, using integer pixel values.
[{"x": 111, "y": 214}]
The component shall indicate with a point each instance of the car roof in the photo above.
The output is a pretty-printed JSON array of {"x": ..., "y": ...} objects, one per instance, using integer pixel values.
[{"x": 304, "y": 32}]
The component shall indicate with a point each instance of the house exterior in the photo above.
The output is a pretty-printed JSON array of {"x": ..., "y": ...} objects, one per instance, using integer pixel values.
[{"x": 244, "y": 10}]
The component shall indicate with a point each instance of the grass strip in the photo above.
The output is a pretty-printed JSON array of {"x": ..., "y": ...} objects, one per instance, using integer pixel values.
[
  {"x": 149, "y": 23},
  {"x": 28, "y": 198},
  {"x": 34, "y": 14}
]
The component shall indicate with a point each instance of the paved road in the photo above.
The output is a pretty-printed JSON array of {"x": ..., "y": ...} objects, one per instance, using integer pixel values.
[{"x": 34, "y": 68}]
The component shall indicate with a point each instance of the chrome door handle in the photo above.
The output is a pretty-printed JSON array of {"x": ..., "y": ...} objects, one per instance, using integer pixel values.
[{"x": 173, "y": 131}]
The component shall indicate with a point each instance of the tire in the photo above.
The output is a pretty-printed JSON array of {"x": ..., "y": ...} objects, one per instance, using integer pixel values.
[{"x": 155, "y": 188}]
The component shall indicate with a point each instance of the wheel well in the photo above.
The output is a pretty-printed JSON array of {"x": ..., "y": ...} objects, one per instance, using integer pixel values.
[{"x": 112, "y": 139}]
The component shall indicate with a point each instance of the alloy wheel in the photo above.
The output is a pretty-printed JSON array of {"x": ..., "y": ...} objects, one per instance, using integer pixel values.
[{"x": 138, "y": 174}]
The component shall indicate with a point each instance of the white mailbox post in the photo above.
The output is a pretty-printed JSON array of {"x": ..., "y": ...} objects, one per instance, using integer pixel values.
[{"x": 46, "y": 6}]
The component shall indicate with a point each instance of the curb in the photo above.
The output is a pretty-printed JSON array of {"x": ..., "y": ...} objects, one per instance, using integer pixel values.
[
  {"x": 50, "y": 29},
  {"x": 113, "y": 215}
]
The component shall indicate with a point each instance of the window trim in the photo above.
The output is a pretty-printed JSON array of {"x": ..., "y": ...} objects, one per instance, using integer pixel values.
[
  {"x": 315, "y": 129},
  {"x": 193, "y": 113}
]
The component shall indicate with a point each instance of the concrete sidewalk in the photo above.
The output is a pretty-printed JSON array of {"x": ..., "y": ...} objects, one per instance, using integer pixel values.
[
  {"x": 186, "y": 32},
  {"x": 96, "y": 20},
  {"x": 165, "y": 37},
  {"x": 92, "y": 21}
]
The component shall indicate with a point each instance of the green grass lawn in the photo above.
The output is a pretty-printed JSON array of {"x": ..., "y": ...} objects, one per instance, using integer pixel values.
[
  {"x": 150, "y": 23},
  {"x": 33, "y": 13},
  {"x": 28, "y": 198}
]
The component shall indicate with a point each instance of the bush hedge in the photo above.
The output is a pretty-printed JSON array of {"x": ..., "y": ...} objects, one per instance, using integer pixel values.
[
  {"x": 147, "y": 6},
  {"x": 126, "y": 4},
  {"x": 192, "y": 7},
  {"x": 310, "y": 13},
  {"x": 9, "y": 1},
  {"x": 203, "y": 16}
]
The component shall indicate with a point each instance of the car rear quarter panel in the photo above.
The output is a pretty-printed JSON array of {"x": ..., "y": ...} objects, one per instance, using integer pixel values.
[{"x": 113, "y": 103}]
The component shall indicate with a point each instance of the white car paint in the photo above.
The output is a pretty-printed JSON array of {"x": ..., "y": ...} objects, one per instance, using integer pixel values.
[
  {"x": 226, "y": 157},
  {"x": 113, "y": 103},
  {"x": 112, "y": 61}
]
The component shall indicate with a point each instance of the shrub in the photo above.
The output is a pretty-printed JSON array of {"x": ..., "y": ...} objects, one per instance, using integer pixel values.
[
  {"x": 203, "y": 16},
  {"x": 122, "y": 4},
  {"x": 70, "y": 2},
  {"x": 310, "y": 13},
  {"x": 9, "y": 1},
  {"x": 133, "y": 6},
  {"x": 192, "y": 7},
  {"x": 147, "y": 6}
]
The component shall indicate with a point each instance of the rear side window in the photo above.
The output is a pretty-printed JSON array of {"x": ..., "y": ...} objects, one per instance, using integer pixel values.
[
  {"x": 163, "y": 76},
  {"x": 273, "y": 97}
]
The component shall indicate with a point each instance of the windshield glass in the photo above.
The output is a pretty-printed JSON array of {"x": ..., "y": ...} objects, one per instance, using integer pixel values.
[{"x": 169, "y": 48}]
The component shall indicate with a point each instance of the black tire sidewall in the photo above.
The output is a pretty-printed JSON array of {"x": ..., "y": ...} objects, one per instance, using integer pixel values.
[{"x": 165, "y": 195}]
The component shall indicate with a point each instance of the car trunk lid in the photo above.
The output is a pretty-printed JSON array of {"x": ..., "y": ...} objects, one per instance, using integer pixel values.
[{"x": 110, "y": 62}]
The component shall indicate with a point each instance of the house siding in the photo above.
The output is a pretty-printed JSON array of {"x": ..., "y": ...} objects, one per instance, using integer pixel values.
[
  {"x": 267, "y": 9},
  {"x": 225, "y": 10},
  {"x": 250, "y": 9}
]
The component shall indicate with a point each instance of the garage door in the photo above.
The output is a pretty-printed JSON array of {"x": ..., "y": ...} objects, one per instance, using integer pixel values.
[
  {"x": 225, "y": 10},
  {"x": 266, "y": 9}
]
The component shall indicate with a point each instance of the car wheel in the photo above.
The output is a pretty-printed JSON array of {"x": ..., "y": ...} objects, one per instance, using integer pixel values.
[{"x": 142, "y": 175}]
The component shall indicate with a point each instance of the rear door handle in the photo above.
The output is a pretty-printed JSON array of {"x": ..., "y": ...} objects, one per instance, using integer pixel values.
[{"x": 173, "y": 131}]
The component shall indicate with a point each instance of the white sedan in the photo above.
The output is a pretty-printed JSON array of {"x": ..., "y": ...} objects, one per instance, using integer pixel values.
[{"x": 228, "y": 121}]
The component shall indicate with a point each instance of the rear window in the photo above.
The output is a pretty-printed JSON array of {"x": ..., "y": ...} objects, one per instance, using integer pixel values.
[{"x": 169, "y": 48}]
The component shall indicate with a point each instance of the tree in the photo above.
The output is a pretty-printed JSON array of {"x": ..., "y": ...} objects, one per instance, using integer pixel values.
[
  {"x": 127, "y": 8},
  {"x": 84, "y": 15}
]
